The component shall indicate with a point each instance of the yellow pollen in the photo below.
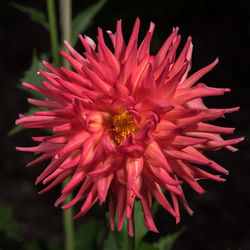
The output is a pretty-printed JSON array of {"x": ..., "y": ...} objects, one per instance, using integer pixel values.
[{"x": 123, "y": 125}]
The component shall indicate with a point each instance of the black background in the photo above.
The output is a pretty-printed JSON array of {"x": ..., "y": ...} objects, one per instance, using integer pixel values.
[{"x": 218, "y": 28}]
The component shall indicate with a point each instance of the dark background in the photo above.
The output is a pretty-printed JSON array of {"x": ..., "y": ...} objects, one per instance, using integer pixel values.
[{"x": 219, "y": 28}]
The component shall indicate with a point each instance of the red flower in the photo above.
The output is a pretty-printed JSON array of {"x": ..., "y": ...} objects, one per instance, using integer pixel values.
[{"x": 126, "y": 124}]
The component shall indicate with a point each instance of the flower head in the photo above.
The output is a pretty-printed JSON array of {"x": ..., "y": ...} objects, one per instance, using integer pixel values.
[{"x": 126, "y": 125}]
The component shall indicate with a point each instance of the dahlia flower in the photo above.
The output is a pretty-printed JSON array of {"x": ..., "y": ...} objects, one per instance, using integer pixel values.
[{"x": 127, "y": 125}]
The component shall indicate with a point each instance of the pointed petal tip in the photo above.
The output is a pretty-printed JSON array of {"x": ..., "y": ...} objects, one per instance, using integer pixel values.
[
  {"x": 42, "y": 191},
  {"x": 131, "y": 234},
  {"x": 44, "y": 63},
  {"x": 202, "y": 191},
  {"x": 175, "y": 29},
  {"x": 241, "y": 138},
  {"x": 66, "y": 42},
  {"x": 152, "y": 228},
  {"x": 177, "y": 219},
  {"x": 20, "y": 148},
  {"x": 64, "y": 207},
  {"x": 77, "y": 216},
  {"x": 137, "y": 19},
  {"x": 221, "y": 179}
]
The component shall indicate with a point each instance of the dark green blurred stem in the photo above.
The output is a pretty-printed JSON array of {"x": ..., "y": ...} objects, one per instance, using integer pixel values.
[
  {"x": 53, "y": 32},
  {"x": 68, "y": 224},
  {"x": 65, "y": 14},
  {"x": 131, "y": 240},
  {"x": 65, "y": 25}
]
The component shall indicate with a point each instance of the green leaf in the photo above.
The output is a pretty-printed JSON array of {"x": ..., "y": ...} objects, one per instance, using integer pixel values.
[
  {"x": 146, "y": 246},
  {"x": 89, "y": 235},
  {"x": 52, "y": 247},
  {"x": 140, "y": 229},
  {"x": 34, "y": 245},
  {"x": 39, "y": 245},
  {"x": 31, "y": 76},
  {"x": 15, "y": 130},
  {"x": 84, "y": 19},
  {"x": 121, "y": 237},
  {"x": 110, "y": 242},
  {"x": 7, "y": 223},
  {"x": 34, "y": 14},
  {"x": 167, "y": 242}
]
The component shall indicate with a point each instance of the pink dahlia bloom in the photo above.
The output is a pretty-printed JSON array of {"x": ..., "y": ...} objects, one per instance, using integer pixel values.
[{"x": 126, "y": 125}]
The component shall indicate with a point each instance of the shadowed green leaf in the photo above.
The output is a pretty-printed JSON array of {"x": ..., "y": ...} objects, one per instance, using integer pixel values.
[
  {"x": 89, "y": 235},
  {"x": 15, "y": 130},
  {"x": 7, "y": 223},
  {"x": 31, "y": 76},
  {"x": 84, "y": 19},
  {"x": 39, "y": 245},
  {"x": 140, "y": 229},
  {"x": 34, "y": 245},
  {"x": 167, "y": 242},
  {"x": 34, "y": 14},
  {"x": 146, "y": 246},
  {"x": 110, "y": 242},
  {"x": 121, "y": 237}
]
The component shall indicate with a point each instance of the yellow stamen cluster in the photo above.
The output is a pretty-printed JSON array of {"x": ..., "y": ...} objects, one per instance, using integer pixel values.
[{"x": 123, "y": 125}]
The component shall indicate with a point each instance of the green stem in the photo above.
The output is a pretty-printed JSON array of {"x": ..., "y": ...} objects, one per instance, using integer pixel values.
[
  {"x": 53, "y": 32},
  {"x": 65, "y": 14},
  {"x": 65, "y": 23},
  {"x": 68, "y": 224}
]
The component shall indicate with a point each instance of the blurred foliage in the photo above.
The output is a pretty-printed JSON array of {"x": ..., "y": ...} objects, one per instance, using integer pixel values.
[
  {"x": 167, "y": 242},
  {"x": 34, "y": 14},
  {"x": 140, "y": 229},
  {"x": 146, "y": 246},
  {"x": 117, "y": 240},
  {"x": 31, "y": 76},
  {"x": 89, "y": 235},
  {"x": 8, "y": 225}
]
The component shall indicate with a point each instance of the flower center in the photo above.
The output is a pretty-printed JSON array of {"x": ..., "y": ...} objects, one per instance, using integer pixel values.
[{"x": 123, "y": 125}]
